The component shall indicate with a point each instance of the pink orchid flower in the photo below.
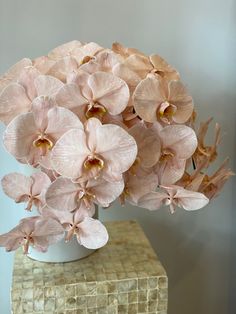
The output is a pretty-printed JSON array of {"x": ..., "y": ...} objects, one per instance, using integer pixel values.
[
  {"x": 17, "y": 97},
  {"x": 178, "y": 143},
  {"x": 90, "y": 233},
  {"x": 104, "y": 151},
  {"x": 13, "y": 73},
  {"x": 63, "y": 194},
  {"x": 32, "y": 135},
  {"x": 173, "y": 196},
  {"x": 104, "y": 61},
  {"x": 94, "y": 95},
  {"x": 30, "y": 190},
  {"x": 33, "y": 231},
  {"x": 162, "y": 100},
  {"x": 68, "y": 57}
]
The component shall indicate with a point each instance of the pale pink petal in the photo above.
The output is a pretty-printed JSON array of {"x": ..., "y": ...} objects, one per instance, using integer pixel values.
[
  {"x": 43, "y": 64},
  {"x": 191, "y": 200},
  {"x": 139, "y": 64},
  {"x": 105, "y": 192},
  {"x": 129, "y": 76},
  {"x": 47, "y": 227},
  {"x": 26, "y": 79},
  {"x": 61, "y": 194},
  {"x": 171, "y": 171},
  {"x": 40, "y": 182},
  {"x": 13, "y": 73},
  {"x": 80, "y": 214},
  {"x": 110, "y": 91},
  {"x": 47, "y": 85},
  {"x": 179, "y": 96},
  {"x": 149, "y": 145},
  {"x": 147, "y": 97},
  {"x": 71, "y": 97},
  {"x": 13, "y": 101},
  {"x": 11, "y": 240},
  {"x": 19, "y": 135},
  {"x": 69, "y": 153},
  {"x": 92, "y": 233},
  {"x": 40, "y": 108},
  {"x": 17, "y": 186},
  {"x": 64, "y": 50},
  {"x": 61, "y": 120},
  {"x": 62, "y": 67},
  {"x": 136, "y": 187},
  {"x": 152, "y": 200},
  {"x": 180, "y": 139}
]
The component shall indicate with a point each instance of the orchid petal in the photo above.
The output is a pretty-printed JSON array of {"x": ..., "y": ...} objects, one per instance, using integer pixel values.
[
  {"x": 13, "y": 101},
  {"x": 92, "y": 233}
]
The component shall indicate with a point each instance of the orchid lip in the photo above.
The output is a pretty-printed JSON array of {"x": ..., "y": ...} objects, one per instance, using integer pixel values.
[
  {"x": 166, "y": 111},
  {"x": 94, "y": 109},
  {"x": 94, "y": 162},
  {"x": 166, "y": 155},
  {"x": 44, "y": 143}
]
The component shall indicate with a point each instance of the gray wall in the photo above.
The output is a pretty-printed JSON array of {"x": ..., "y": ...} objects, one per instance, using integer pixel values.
[{"x": 198, "y": 38}]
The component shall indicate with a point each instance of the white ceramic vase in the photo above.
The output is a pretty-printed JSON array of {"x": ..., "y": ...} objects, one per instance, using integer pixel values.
[{"x": 62, "y": 251}]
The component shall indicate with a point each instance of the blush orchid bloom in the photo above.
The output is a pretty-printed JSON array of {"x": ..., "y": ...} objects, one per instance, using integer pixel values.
[
  {"x": 161, "y": 100},
  {"x": 173, "y": 196},
  {"x": 30, "y": 190},
  {"x": 33, "y": 231},
  {"x": 18, "y": 96},
  {"x": 94, "y": 95},
  {"x": 90, "y": 233},
  {"x": 178, "y": 143},
  {"x": 32, "y": 135},
  {"x": 100, "y": 151},
  {"x": 64, "y": 194}
]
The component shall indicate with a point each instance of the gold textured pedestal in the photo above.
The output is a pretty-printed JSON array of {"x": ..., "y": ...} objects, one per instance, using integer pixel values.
[{"x": 125, "y": 276}]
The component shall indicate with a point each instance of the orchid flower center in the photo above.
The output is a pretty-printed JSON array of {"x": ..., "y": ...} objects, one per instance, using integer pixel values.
[
  {"x": 86, "y": 196},
  {"x": 73, "y": 230},
  {"x": 27, "y": 240},
  {"x": 94, "y": 164},
  {"x": 94, "y": 109},
  {"x": 158, "y": 72},
  {"x": 166, "y": 112},
  {"x": 86, "y": 59},
  {"x": 31, "y": 202},
  {"x": 166, "y": 155},
  {"x": 44, "y": 143}
]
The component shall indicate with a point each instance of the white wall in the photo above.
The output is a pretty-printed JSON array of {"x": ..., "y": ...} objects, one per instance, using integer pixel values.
[{"x": 198, "y": 38}]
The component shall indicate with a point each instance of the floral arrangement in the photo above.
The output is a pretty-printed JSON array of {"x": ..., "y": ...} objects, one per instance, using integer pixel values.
[{"x": 100, "y": 124}]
